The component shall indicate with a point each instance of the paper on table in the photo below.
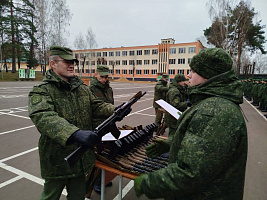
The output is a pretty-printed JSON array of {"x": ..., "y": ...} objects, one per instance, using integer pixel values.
[
  {"x": 110, "y": 137},
  {"x": 169, "y": 108}
]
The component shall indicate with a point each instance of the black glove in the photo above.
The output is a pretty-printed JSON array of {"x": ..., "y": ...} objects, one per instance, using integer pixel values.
[
  {"x": 85, "y": 138},
  {"x": 123, "y": 114},
  {"x": 188, "y": 103}
]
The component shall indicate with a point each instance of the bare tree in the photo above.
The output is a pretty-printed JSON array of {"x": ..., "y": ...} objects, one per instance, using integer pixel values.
[
  {"x": 43, "y": 33},
  {"x": 261, "y": 63},
  {"x": 79, "y": 42},
  {"x": 90, "y": 39},
  {"x": 59, "y": 20}
]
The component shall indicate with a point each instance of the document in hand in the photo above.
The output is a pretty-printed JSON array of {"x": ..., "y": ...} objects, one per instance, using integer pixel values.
[{"x": 169, "y": 108}]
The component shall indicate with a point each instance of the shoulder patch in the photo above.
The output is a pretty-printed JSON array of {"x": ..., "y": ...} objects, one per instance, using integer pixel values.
[{"x": 36, "y": 99}]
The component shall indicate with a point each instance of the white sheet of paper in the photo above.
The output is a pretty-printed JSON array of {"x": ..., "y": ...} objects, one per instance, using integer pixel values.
[
  {"x": 110, "y": 137},
  {"x": 169, "y": 108}
]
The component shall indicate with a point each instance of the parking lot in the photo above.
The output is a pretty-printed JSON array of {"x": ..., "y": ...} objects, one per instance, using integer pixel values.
[{"x": 19, "y": 162}]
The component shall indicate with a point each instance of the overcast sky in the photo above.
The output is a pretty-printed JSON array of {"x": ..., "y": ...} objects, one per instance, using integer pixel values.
[{"x": 117, "y": 23}]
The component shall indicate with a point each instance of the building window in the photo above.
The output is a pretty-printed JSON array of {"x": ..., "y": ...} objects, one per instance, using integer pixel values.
[
  {"x": 154, "y": 51},
  {"x": 124, "y": 71},
  {"x": 138, "y": 62},
  {"x": 172, "y": 50},
  {"x": 153, "y": 71},
  {"x": 111, "y": 53},
  {"x": 147, "y": 52},
  {"x": 118, "y": 53},
  {"x": 131, "y": 53},
  {"x": 93, "y": 71},
  {"x": 87, "y": 71},
  {"x": 154, "y": 62},
  {"x": 192, "y": 50},
  {"x": 86, "y": 62},
  {"x": 188, "y": 71},
  {"x": 124, "y": 53},
  {"x": 130, "y": 71},
  {"x": 105, "y": 54},
  {"x": 118, "y": 62},
  {"x": 181, "y": 61},
  {"x": 92, "y": 62},
  {"x": 139, "y": 52},
  {"x": 110, "y": 62},
  {"x": 146, "y": 62},
  {"x": 111, "y": 71},
  {"x": 171, "y": 61},
  {"x": 117, "y": 71},
  {"x": 138, "y": 71},
  {"x": 87, "y": 55},
  {"x": 124, "y": 62},
  {"x": 76, "y": 55},
  {"x": 181, "y": 50},
  {"x": 98, "y": 54},
  {"x": 131, "y": 62},
  {"x": 171, "y": 71},
  {"x": 180, "y": 71},
  {"x": 146, "y": 71},
  {"x": 189, "y": 60},
  {"x": 93, "y": 54},
  {"x": 81, "y": 55}
]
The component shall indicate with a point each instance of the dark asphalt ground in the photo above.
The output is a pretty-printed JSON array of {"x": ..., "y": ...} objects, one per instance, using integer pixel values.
[{"x": 19, "y": 162}]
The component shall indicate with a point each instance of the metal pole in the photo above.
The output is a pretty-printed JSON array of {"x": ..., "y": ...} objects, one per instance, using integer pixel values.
[
  {"x": 120, "y": 188},
  {"x": 1, "y": 62},
  {"x": 102, "y": 184}
]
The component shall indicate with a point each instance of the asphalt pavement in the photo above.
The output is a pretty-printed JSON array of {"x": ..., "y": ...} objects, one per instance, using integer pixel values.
[{"x": 19, "y": 161}]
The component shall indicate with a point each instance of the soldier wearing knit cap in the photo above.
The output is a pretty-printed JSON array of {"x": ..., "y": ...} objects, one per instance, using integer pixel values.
[{"x": 208, "y": 152}]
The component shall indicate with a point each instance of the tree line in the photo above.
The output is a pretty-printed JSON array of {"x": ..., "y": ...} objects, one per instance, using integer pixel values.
[
  {"x": 235, "y": 28},
  {"x": 29, "y": 27}
]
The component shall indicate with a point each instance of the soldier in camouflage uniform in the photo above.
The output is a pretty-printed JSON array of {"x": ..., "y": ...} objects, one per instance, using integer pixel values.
[
  {"x": 62, "y": 107},
  {"x": 176, "y": 96},
  {"x": 100, "y": 87},
  {"x": 160, "y": 91},
  {"x": 208, "y": 152}
]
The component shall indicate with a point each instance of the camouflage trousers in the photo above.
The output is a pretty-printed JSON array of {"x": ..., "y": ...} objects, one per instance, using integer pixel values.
[
  {"x": 159, "y": 116},
  {"x": 53, "y": 188}
]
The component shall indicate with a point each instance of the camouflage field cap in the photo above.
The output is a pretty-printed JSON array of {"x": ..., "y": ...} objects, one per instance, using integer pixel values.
[
  {"x": 211, "y": 62},
  {"x": 166, "y": 76},
  {"x": 103, "y": 70},
  {"x": 62, "y": 52},
  {"x": 179, "y": 78}
]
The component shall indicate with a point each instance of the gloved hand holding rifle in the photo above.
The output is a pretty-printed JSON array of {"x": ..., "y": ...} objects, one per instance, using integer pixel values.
[{"x": 88, "y": 139}]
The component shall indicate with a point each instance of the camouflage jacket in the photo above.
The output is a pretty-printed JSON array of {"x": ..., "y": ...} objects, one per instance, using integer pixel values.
[
  {"x": 208, "y": 152},
  {"x": 175, "y": 97},
  {"x": 103, "y": 92},
  {"x": 160, "y": 91},
  {"x": 58, "y": 109}
]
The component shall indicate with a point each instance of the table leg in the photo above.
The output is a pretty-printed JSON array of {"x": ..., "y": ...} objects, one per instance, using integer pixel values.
[
  {"x": 102, "y": 184},
  {"x": 120, "y": 188}
]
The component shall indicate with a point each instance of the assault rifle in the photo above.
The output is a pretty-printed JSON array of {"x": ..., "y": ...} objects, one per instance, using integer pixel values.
[{"x": 107, "y": 126}]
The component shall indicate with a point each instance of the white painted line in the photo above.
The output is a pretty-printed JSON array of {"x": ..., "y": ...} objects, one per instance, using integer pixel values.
[
  {"x": 126, "y": 189},
  {"x": 137, "y": 112},
  {"x": 146, "y": 114},
  {"x": 10, "y": 181},
  {"x": 26, "y": 175},
  {"x": 19, "y": 154},
  {"x": 19, "y": 129},
  {"x": 14, "y": 115},
  {"x": 256, "y": 109}
]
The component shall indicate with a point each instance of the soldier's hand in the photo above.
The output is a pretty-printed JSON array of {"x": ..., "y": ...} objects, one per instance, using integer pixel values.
[
  {"x": 159, "y": 147},
  {"x": 138, "y": 185},
  {"x": 85, "y": 138}
]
